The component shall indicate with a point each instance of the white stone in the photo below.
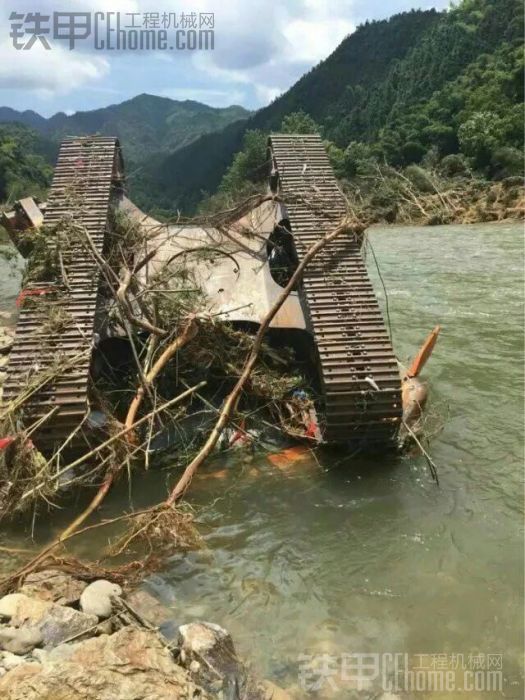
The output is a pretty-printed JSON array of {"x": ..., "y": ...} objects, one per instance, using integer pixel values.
[
  {"x": 96, "y": 599},
  {"x": 56, "y": 622},
  {"x": 195, "y": 666},
  {"x": 9, "y": 604},
  {"x": 40, "y": 655},
  {"x": 19, "y": 640},
  {"x": 10, "y": 660}
]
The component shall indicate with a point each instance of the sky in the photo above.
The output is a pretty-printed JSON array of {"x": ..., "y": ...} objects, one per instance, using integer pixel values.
[{"x": 260, "y": 49}]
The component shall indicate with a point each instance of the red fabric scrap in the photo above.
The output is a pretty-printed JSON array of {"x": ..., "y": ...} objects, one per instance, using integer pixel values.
[
  {"x": 5, "y": 442},
  {"x": 32, "y": 293}
]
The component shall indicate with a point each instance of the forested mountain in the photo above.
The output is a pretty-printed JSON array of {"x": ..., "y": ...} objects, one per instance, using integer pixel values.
[
  {"x": 420, "y": 82},
  {"x": 422, "y": 87},
  {"x": 362, "y": 59},
  {"x": 145, "y": 125}
]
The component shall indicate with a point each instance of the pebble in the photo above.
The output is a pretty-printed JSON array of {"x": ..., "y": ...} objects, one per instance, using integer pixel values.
[{"x": 9, "y": 604}]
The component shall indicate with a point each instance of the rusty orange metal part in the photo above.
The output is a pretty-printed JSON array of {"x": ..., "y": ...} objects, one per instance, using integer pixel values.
[{"x": 424, "y": 353}]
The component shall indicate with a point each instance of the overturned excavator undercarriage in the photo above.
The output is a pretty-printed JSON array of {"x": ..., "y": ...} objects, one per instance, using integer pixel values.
[{"x": 335, "y": 305}]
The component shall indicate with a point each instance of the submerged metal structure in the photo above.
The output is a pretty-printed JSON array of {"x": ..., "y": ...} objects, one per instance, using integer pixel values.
[{"x": 359, "y": 376}]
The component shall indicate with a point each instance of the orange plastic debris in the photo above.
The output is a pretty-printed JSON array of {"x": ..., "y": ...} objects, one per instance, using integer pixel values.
[{"x": 287, "y": 457}]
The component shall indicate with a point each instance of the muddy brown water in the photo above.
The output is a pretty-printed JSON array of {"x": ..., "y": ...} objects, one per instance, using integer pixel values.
[{"x": 345, "y": 555}]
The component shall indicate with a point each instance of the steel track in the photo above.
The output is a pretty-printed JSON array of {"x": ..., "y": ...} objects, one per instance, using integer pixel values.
[
  {"x": 80, "y": 194},
  {"x": 343, "y": 314}
]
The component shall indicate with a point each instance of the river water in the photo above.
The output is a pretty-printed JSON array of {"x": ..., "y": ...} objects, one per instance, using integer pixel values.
[{"x": 342, "y": 556}]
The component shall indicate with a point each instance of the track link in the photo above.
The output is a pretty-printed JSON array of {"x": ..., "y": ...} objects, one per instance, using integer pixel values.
[
  {"x": 86, "y": 170},
  {"x": 342, "y": 311}
]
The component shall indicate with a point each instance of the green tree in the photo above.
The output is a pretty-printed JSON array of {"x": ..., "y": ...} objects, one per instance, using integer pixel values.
[
  {"x": 249, "y": 165},
  {"x": 299, "y": 123},
  {"x": 480, "y": 136},
  {"x": 359, "y": 159},
  {"x": 23, "y": 171}
]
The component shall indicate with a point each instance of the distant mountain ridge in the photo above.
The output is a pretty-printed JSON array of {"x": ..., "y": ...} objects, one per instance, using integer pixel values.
[{"x": 145, "y": 124}]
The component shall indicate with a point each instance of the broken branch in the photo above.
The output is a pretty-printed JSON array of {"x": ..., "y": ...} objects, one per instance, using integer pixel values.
[{"x": 230, "y": 403}]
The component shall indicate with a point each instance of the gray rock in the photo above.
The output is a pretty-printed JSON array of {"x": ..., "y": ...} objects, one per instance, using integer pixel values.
[
  {"x": 148, "y": 607},
  {"x": 62, "y": 623},
  {"x": 212, "y": 647},
  {"x": 56, "y": 622},
  {"x": 96, "y": 599},
  {"x": 53, "y": 585},
  {"x": 131, "y": 664},
  {"x": 20, "y": 640}
]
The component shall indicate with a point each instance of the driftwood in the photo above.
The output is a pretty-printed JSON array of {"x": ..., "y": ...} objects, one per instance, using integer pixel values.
[
  {"x": 230, "y": 403},
  {"x": 111, "y": 477},
  {"x": 99, "y": 496},
  {"x": 188, "y": 333}
]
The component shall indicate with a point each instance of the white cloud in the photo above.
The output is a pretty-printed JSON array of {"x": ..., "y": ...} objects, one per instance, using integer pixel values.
[
  {"x": 269, "y": 46},
  {"x": 261, "y": 49},
  {"x": 48, "y": 72},
  {"x": 266, "y": 94},
  {"x": 315, "y": 38}
]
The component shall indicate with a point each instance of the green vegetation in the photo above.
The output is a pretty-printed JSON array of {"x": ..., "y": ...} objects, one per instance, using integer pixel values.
[
  {"x": 24, "y": 170},
  {"x": 436, "y": 96},
  {"x": 148, "y": 127},
  {"x": 443, "y": 91},
  {"x": 146, "y": 124}
]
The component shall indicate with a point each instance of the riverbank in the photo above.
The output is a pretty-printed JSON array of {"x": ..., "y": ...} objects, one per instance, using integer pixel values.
[
  {"x": 419, "y": 197},
  {"x": 414, "y": 196},
  {"x": 62, "y": 637}
]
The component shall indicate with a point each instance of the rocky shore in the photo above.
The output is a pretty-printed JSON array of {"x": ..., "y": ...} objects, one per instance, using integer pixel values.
[{"x": 66, "y": 639}]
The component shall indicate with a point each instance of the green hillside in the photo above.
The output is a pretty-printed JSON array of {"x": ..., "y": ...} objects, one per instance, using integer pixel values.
[
  {"x": 420, "y": 85},
  {"x": 181, "y": 179},
  {"x": 441, "y": 90},
  {"x": 24, "y": 163},
  {"x": 147, "y": 124}
]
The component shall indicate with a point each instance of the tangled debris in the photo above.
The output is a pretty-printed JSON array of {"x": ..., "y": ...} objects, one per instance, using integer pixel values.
[
  {"x": 380, "y": 193},
  {"x": 220, "y": 374}
]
